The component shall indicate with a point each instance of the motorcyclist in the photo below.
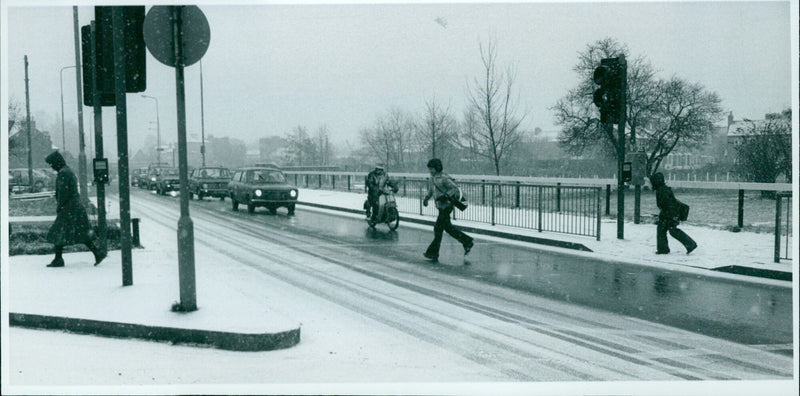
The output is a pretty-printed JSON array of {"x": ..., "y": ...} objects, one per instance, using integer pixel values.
[{"x": 377, "y": 182}]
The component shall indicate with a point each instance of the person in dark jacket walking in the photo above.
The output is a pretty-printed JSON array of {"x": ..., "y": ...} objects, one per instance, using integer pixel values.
[
  {"x": 668, "y": 217},
  {"x": 443, "y": 189},
  {"x": 72, "y": 223}
]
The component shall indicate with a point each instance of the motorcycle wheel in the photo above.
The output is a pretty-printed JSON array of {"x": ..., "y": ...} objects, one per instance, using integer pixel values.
[{"x": 395, "y": 222}]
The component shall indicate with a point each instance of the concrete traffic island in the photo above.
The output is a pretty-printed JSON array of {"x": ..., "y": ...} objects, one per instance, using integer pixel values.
[
  {"x": 193, "y": 337},
  {"x": 85, "y": 299}
]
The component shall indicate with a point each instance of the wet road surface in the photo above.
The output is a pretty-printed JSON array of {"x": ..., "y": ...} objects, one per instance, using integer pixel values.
[{"x": 520, "y": 286}]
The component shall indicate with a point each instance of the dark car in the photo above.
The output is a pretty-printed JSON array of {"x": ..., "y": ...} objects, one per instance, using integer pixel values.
[
  {"x": 167, "y": 180},
  {"x": 139, "y": 177},
  {"x": 261, "y": 186},
  {"x": 151, "y": 177},
  {"x": 209, "y": 182}
]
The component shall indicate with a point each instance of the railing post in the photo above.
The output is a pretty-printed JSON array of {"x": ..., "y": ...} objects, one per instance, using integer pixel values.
[
  {"x": 539, "y": 207},
  {"x": 493, "y": 204},
  {"x": 295, "y": 179},
  {"x": 320, "y": 181},
  {"x": 420, "y": 201},
  {"x": 741, "y": 208},
  {"x": 516, "y": 193},
  {"x": 558, "y": 197},
  {"x": 348, "y": 182},
  {"x": 305, "y": 177},
  {"x": 599, "y": 225},
  {"x": 404, "y": 186},
  {"x": 608, "y": 200},
  {"x": 778, "y": 199},
  {"x": 333, "y": 182},
  {"x": 483, "y": 192}
]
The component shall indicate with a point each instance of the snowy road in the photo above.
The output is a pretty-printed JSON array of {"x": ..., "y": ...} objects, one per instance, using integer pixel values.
[
  {"x": 376, "y": 314},
  {"x": 520, "y": 336}
]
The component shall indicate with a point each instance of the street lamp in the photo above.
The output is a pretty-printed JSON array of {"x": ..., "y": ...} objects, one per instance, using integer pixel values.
[
  {"x": 202, "y": 119},
  {"x": 61, "y": 85},
  {"x": 158, "y": 129}
]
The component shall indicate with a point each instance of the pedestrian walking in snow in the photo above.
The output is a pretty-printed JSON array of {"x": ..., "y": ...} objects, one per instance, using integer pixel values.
[
  {"x": 72, "y": 223},
  {"x": 668, "y": 220},
  {"x": 443, "y": 189}
]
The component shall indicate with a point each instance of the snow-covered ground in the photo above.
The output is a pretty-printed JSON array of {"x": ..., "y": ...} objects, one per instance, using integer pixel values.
[
  {"x": 717, "y": 248},
  {"x": 340, "y": 351}
]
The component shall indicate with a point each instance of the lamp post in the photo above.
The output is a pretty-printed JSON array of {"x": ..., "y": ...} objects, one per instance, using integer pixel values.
[
  {"x": 202, "y": 119},
  {"x": 61, "y": 85},
  {"x": 158, "y": 129}
]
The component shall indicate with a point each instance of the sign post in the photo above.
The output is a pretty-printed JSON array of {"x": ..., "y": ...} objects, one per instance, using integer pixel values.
[{"x": 178, "y": 36}]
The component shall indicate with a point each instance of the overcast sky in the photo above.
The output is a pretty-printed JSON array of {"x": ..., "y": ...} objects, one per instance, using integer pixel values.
[{"x": 271, "y": 67}]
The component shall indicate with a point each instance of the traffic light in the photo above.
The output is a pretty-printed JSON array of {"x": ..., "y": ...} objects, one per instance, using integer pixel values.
[
  {"x": 87, "y": 69},
  {"x": 135, "y": 52},
  {"x": 608, "y": 98}
]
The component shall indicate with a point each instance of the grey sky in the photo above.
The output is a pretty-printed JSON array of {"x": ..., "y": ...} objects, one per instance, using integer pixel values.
[{"x": 272, "y": 67}]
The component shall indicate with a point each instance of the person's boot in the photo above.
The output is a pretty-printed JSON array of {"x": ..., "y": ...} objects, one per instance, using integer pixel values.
[
  {"x": 99, "y": 253},
  {"x": 57, "y": 262}
]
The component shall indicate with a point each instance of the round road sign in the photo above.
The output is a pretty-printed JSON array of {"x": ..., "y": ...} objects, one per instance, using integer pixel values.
[{"x": 158, "y": 34}]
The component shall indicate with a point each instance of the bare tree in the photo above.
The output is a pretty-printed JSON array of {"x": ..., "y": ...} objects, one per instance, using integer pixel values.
[
  {"x": 765, "y": 148},
  {"x": 435, "y": 131},
  {"x": 299, "y": 147},
  {"x": 323, "y": 146},
  {"x": 661, "y": 115},
  {"x": 389, "y": 139},
  {"x": 492, "y": 101},
  {"x": 579, "y": 118},
  {"x": 684, "y": 115}
]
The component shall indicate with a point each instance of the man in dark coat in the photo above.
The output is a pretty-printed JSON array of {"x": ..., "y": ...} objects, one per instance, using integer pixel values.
[
  {"x": 377, "y": 181},
  {"x": 443, "y": 189},
  {"x": 668, "y": 217},
  {"x": 72, "y": 224}
]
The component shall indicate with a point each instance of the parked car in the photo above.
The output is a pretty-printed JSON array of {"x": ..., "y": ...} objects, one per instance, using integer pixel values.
[
  {"x": 42, "y": 180},
  {"x": 261, "y": 186},
  {"x": 167, "y": 180},
  {"x": 209, "y": 182},
  {"x": 138, "y": 177}
]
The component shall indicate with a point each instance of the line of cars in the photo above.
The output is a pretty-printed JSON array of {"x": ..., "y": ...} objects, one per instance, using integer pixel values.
[
  {"x": 260, "y": 185},
  {"x": 18, "y": 181}
]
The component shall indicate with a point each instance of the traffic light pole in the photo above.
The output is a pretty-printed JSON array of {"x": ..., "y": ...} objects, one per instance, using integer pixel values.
[
  {"x": 122, "y": 146},
  {"x": 623, "y": 111}
]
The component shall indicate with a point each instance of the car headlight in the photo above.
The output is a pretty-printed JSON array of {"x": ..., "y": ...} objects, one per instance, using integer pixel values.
[
  {"x": 258, "y": 193},
  {"x": 205, "y": 185},
  {"x": 152, "y": 179},
  {"x": 293, "y": 193}
]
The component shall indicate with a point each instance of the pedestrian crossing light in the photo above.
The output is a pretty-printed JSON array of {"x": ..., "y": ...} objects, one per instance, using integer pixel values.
[{"x": 608, "y": 96}]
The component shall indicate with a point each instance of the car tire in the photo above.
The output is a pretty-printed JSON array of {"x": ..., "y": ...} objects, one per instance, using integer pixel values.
[
  {"x": 234, "y": 204},
  {"x": 200, "y": 195},
  {"x": 273, "y": 211},
  {"x": 222, "y": 198},
  {"x": 291, "y": 209},
  {"x": 251, "y": 208},
  {"x": 38, "y": 186}
]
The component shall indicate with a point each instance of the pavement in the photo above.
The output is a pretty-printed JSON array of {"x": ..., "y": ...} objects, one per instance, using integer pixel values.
[
  {"x": 229, "y": 319},
  {"x": 86, "y": 299}
]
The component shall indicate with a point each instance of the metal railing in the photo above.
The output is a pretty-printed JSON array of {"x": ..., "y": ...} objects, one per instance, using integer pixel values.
[
  {"x": 783, "y": 226},
  {"x": 544, "y": 207}
]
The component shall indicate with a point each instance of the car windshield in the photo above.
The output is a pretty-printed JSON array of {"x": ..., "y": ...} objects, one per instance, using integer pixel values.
[
  {"x": 214, "y": 172},
  {"x": 266, "y": 176},
  {"x": 170, "y": 172}
]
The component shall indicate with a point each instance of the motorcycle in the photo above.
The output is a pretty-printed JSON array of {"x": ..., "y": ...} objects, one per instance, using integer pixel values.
[{"x": 387, "y": 211}]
